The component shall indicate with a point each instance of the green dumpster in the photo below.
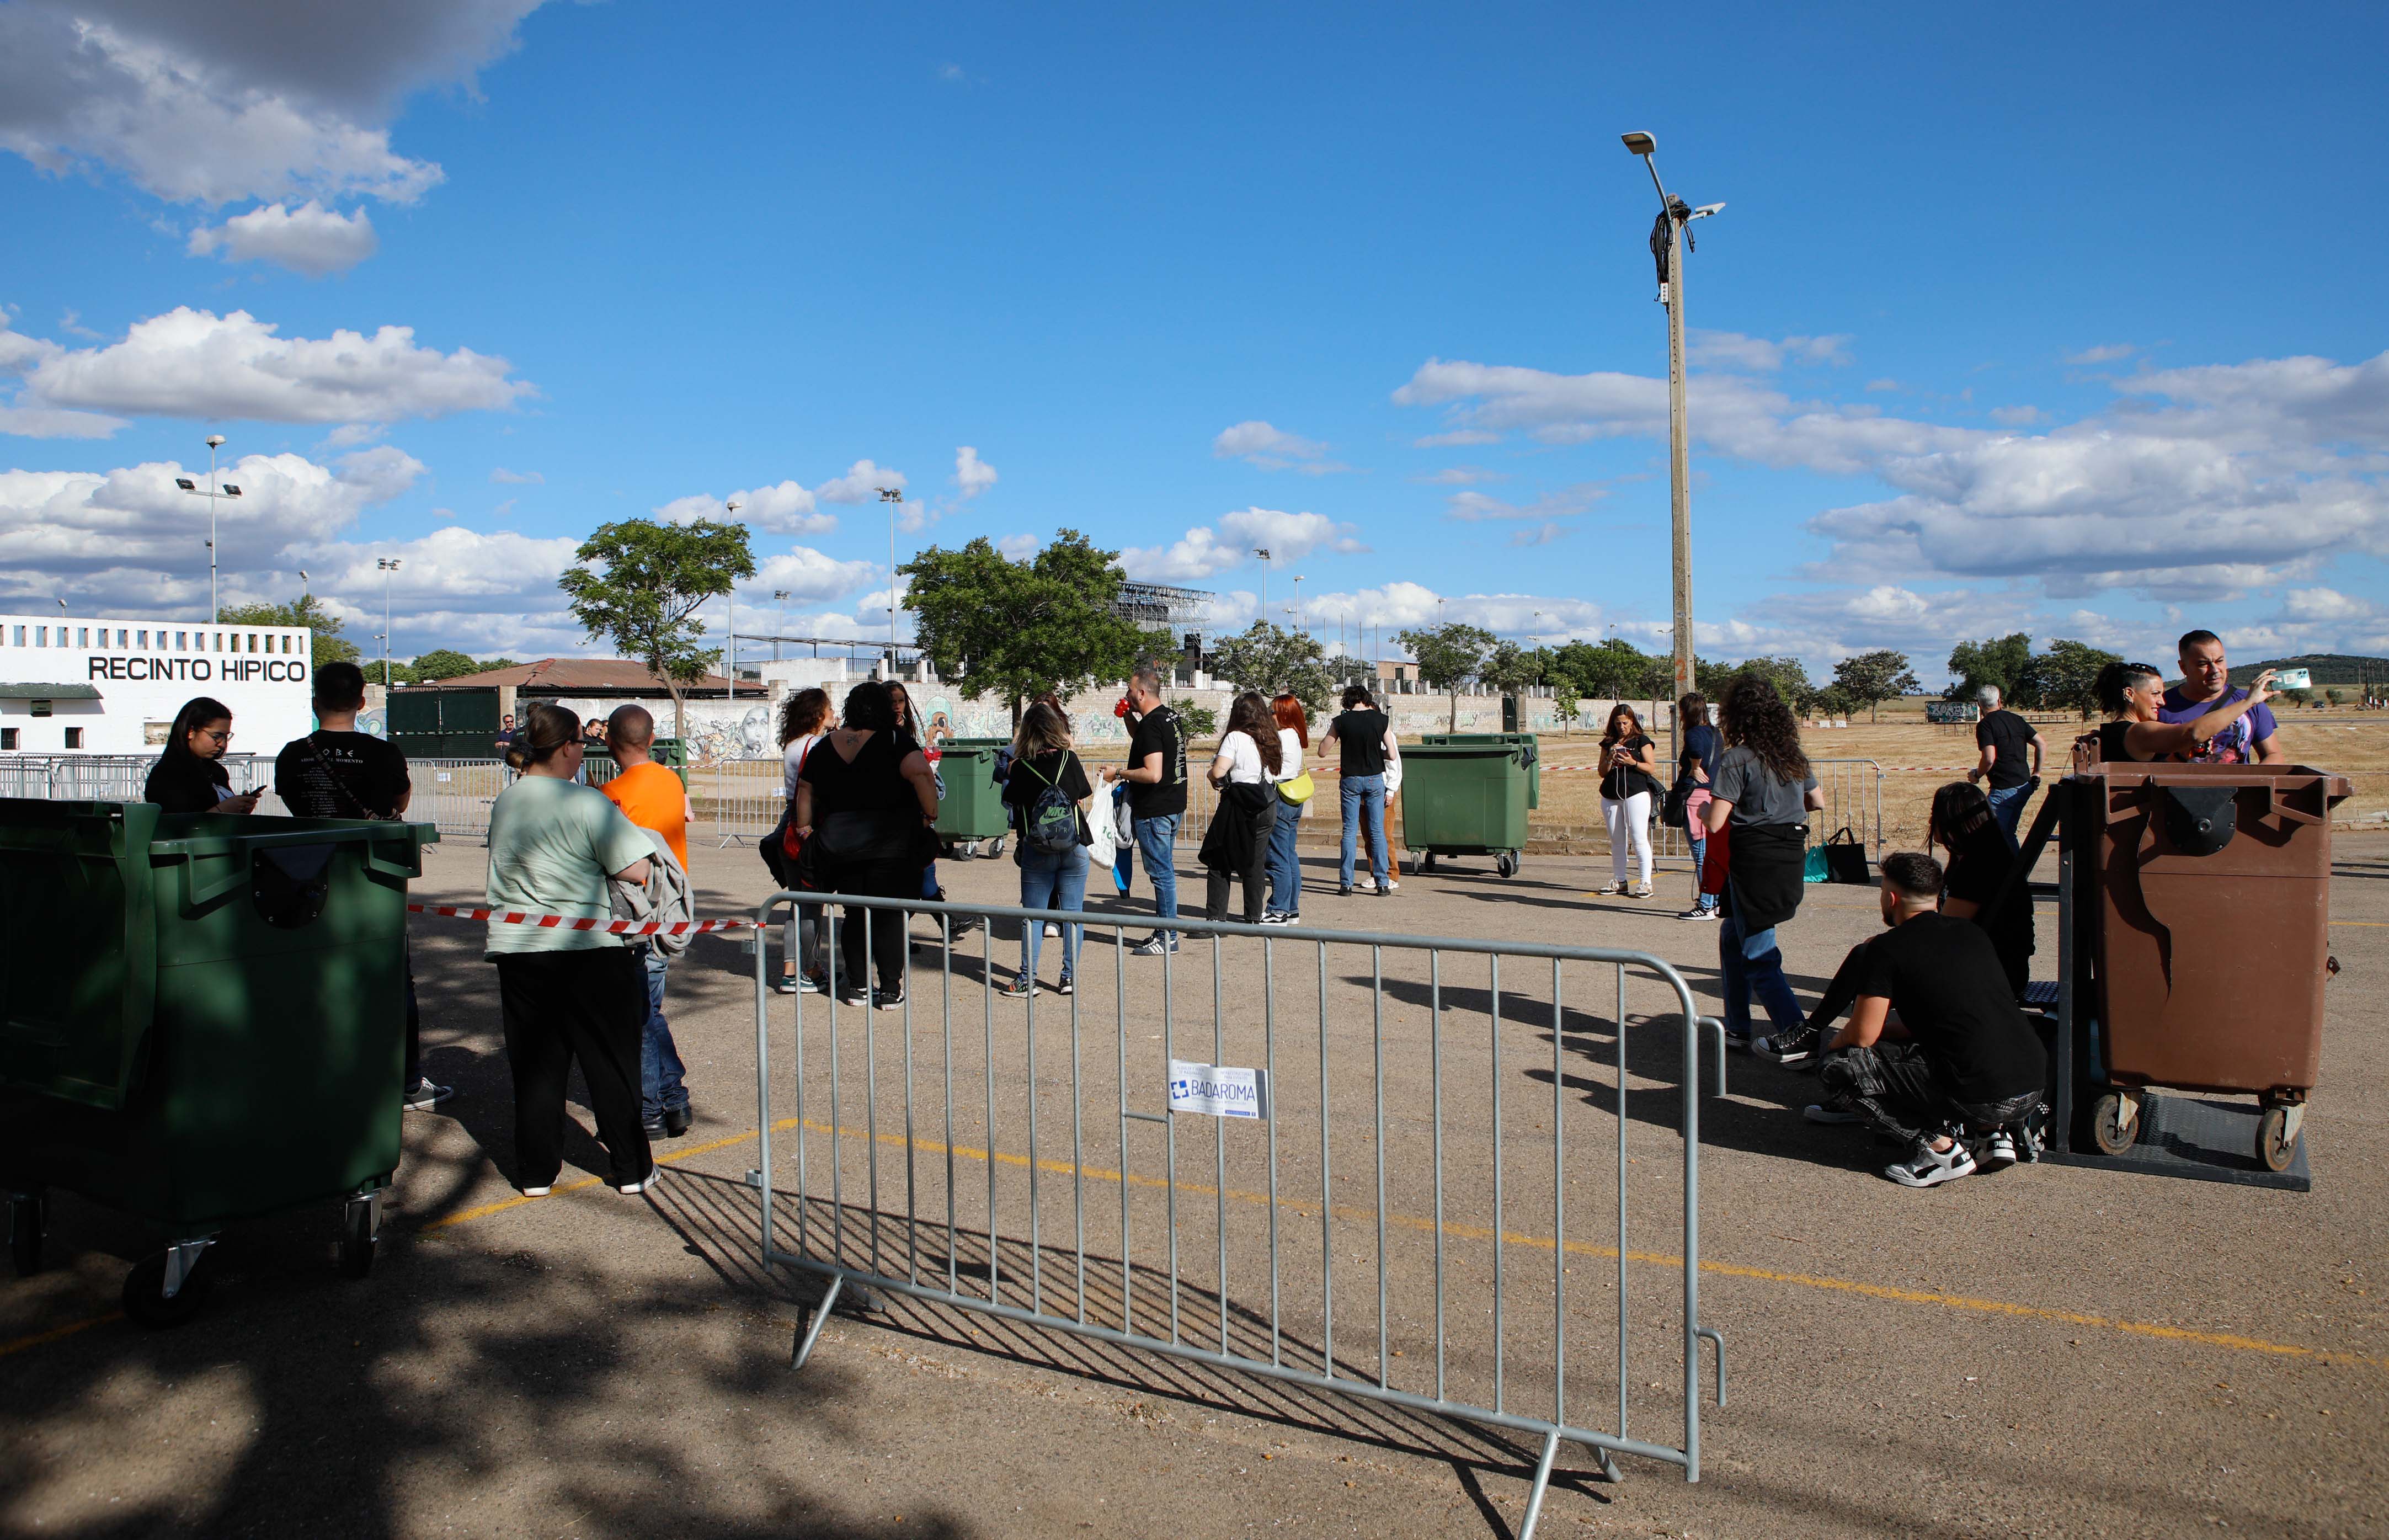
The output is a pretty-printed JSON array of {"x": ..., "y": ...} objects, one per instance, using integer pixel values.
[
  {"x": 1534, "y": 756},
  {"x": 1466, "y": 798},
  {"x": 202, "y": 1019},
  {"x": 973, "y": 807}
]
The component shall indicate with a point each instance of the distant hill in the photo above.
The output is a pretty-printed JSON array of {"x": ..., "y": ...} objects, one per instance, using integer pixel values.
[{"x": 2329, "y": 668}]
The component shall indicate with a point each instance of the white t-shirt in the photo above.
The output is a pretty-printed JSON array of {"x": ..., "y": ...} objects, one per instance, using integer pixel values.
[
  {"x": 1244, "y": 758},
  {"x": 1289, "y": 763},
  {"x": 791, "y": 760}
]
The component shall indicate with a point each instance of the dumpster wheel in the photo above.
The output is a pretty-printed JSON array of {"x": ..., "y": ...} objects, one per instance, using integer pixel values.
[
  {"x": 2116, "y": 1121},
  {"x": 144, "y": 1293},
  {"x": 1506, "y": 863},
  {"x": 28, "y": 1218},
  {"x": 2277, "y": 1136},
  {"x": 994, "y": 848},
  {"x": 359, "y": 1226}
]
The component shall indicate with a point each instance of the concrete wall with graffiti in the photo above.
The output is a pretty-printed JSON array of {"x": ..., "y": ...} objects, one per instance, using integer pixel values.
[{"x": 717, "y": 729}]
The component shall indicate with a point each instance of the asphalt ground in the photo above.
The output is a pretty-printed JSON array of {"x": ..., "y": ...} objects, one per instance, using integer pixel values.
[{"x": 2052, "y": 1350}]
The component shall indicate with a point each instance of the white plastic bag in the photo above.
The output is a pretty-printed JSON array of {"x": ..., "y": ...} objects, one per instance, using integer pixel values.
[{"x": 1102, "y": 828}]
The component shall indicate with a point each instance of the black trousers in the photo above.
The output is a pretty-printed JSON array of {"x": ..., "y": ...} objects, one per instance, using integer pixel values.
[
  {"x": 876, "y": 880},
  {"x": 559, "y": 1007},
  {"x": 1252, "y": 870},
  {"x": 1890, "y": 1086}
]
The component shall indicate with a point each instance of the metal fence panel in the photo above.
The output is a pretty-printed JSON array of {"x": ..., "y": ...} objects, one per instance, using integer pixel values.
[{"x": 1436, "y": 1254}]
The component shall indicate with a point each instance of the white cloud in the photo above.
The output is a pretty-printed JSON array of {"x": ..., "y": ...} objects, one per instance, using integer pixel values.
[
  {"x": 195, "y": 364},
  {"x": 1274, "y": 449},
  {"x": 1731, "y": 350},
  {"x": 349, "y": 435},
  {"x": 2106, "y": 353},
  {"x": 1203, "y": 552},
  {"x": 810, "y": 576},
  {"x": 1461, "y": 476},
  {"x": 239, "y": 98},
  {"x": 1401, "y": 605},
  {"x": 862, "y": 482},
  {"x": 972, "y": 475},
  {"x": 517, "y": 478},
  {"x": 1020, "y": 547},
  {"x": 786, "y": 508},
  {"x": 1541, "y": 534},
  {"x": 1476, "y": 508},
  {"x": 310, "y": 239},
  {"x": 2325, "y": 606},
  {"x": 2015, "y": 416},
  {"x": 1885, "y": 383},
  {"x": 1461, "y": 437},
  {"x": 50, "y": 422}
]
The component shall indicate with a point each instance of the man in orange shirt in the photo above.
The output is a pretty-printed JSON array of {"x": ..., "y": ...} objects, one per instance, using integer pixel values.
[{"x": 653, "y": 798}]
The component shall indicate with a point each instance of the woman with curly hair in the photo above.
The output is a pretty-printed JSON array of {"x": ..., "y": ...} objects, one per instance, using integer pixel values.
[{"x": 1760, "y": 801}]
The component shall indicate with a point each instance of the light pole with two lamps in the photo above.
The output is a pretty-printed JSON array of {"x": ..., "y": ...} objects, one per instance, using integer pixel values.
[
  {"x": 388, "y": 564},
  {"x": 894, "y": 498},
  {"x": 215, "y": 442},
  {"x": 1670, "y": 239}
]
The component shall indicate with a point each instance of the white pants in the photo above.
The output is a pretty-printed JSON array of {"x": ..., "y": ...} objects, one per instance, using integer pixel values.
[{"x": 1629, "y": 824}]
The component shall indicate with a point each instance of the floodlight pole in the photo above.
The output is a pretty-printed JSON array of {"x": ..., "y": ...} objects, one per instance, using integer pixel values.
[
  {"x": 1671, "y": 294},
  {"x": 215, "y": 611},
  {"x": 729, "y": 598},
  {"x": 894, "y": 498}
]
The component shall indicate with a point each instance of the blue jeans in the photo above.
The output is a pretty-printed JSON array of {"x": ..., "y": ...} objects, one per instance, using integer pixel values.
[
  {"x": 1748, "y": 965},
  {"x": 1157, "y": 841},
  {"x": 2007, "y": 805},
  {"x": 1700, "y": 838},
  {"x": 1284, "y": 868},
  {"x": 1363, "y": 795},
  {"x": 661, "y": 1090},
  {"x": 1051, "y": 880}
]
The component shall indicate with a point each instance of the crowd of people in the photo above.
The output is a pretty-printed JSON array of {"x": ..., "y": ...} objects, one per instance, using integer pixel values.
[{"x": 1921, "y": 1036}]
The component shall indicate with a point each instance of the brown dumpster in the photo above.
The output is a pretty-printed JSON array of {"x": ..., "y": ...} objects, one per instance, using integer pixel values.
[{"x": 2213, "y": 940}]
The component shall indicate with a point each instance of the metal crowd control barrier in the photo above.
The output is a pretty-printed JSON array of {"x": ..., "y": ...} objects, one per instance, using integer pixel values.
[
  {"x": 1327, "y": 1175},
  {"x": 741, "y": 797},
  {"x": 117, "y": 777}
]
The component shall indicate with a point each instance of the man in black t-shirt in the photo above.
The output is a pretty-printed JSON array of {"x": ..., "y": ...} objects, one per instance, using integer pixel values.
[
  {"x": 2012, "y": 753},
  {"x": 1936, "y": 1054},
  {"x": 338, "y": 772},
  {"x": 1156, "y": 798}
]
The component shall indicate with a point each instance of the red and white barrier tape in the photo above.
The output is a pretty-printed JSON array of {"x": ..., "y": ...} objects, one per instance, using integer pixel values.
[{"x": 566, "y": 922}]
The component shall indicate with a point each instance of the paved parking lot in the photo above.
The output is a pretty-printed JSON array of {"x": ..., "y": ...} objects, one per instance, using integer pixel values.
[{"x": 2050, "y": 1350}]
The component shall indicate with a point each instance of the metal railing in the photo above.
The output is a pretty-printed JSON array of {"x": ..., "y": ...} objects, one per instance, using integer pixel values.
[
  {"x": 1403, "y": 1174},
  {"x": 117, "y": 777},
  {"x": 739, "y": 799}
]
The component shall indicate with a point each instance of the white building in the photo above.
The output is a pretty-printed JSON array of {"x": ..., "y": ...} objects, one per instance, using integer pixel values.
[{"x": 112, "y": 686}]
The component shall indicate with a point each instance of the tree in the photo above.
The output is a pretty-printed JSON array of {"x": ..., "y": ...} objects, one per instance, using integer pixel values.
[
  {"x": 1447, "y": 657},
  {"x": 2063, "y": 678},
  {"x": 1269, "y": 658},
  {"x": 1871, "y": 677},
  {"x": 307, "y": 610},
  {"x": 1790, "y": 679},
  {"x": 1610, "y": 670},
  {"x": 1196, "y": 722},
  {"x": 443, "y": 663},
  {"x": 1344, "y": 668},
  {"x": 1510, "y": 668},
  {"x": 1999, "y": 660},
  {"x": 644, "y": 596},
  {"x": 1015, "y": 629}
]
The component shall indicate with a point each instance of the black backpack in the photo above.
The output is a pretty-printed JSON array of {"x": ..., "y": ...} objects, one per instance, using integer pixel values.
[{"x": 1050, "y": 822}]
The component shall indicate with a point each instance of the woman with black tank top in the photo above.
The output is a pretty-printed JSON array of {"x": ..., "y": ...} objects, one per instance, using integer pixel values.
[
  {"x": 2131, "y": 693},
  {"x": 870, "y": 776},
  {"x": 1365, "y": 739}
]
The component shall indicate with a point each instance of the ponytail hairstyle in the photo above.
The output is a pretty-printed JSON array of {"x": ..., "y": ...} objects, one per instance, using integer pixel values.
[
  {"x": 546, "y": 728},
  {"x": 2116, "y": 682},
  {"x": 1692, "y": 710}
]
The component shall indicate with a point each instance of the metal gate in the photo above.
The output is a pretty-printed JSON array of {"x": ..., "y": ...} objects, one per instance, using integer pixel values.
[{"x": 1386, "y": 1202}]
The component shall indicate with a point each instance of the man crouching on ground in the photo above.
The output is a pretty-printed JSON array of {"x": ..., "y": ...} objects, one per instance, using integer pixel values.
[{"x": 1936, "y": 1054}]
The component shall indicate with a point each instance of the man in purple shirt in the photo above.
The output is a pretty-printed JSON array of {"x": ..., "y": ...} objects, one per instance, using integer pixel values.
[{"x": 2206, "y": 682}]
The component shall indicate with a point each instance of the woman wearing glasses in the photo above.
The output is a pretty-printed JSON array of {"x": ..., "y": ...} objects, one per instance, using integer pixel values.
[{"x": 189, "y": 776}]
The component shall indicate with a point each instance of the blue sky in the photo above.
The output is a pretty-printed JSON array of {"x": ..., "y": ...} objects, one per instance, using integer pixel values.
[{"x": 2043, "y": 320}]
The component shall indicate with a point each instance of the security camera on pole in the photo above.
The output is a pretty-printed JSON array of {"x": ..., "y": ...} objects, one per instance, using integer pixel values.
[{"x": 1670, "y": 239}]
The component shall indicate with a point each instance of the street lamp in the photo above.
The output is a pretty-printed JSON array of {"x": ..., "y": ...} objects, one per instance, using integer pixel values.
[
  {"x": 894, "y": 498},
  {"x": 1670, "y": 239},
  {"x": 1297, "y": 601},
  {"x": 215, "y": 442},
  {"x": 388, "y": 564},
  {"x": 779, "y": 621},
  {"x": 1265, "y": 561},
  {"x": 729, "y": 598}
]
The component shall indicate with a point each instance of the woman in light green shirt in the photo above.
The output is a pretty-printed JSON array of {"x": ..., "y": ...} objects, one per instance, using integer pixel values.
[{"x": 566, "y": 993}]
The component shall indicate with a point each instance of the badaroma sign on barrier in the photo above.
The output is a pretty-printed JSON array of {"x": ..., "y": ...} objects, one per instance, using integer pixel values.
[{"x": 1217, "y": 1090}]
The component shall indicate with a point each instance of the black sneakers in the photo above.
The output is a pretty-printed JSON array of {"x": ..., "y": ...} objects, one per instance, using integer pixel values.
[{"x": 1796, "y": 1046}]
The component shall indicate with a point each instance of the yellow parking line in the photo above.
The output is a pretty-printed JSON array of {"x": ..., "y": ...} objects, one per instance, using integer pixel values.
[{"x": 2232, "y": 1340}]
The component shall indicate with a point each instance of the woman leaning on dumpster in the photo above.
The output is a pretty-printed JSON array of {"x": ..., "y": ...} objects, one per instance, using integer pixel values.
[
  {"x": 566, "y": 994},
  {"x": 189, "y": 776},
  {"x": 2130, "y": 694}
]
